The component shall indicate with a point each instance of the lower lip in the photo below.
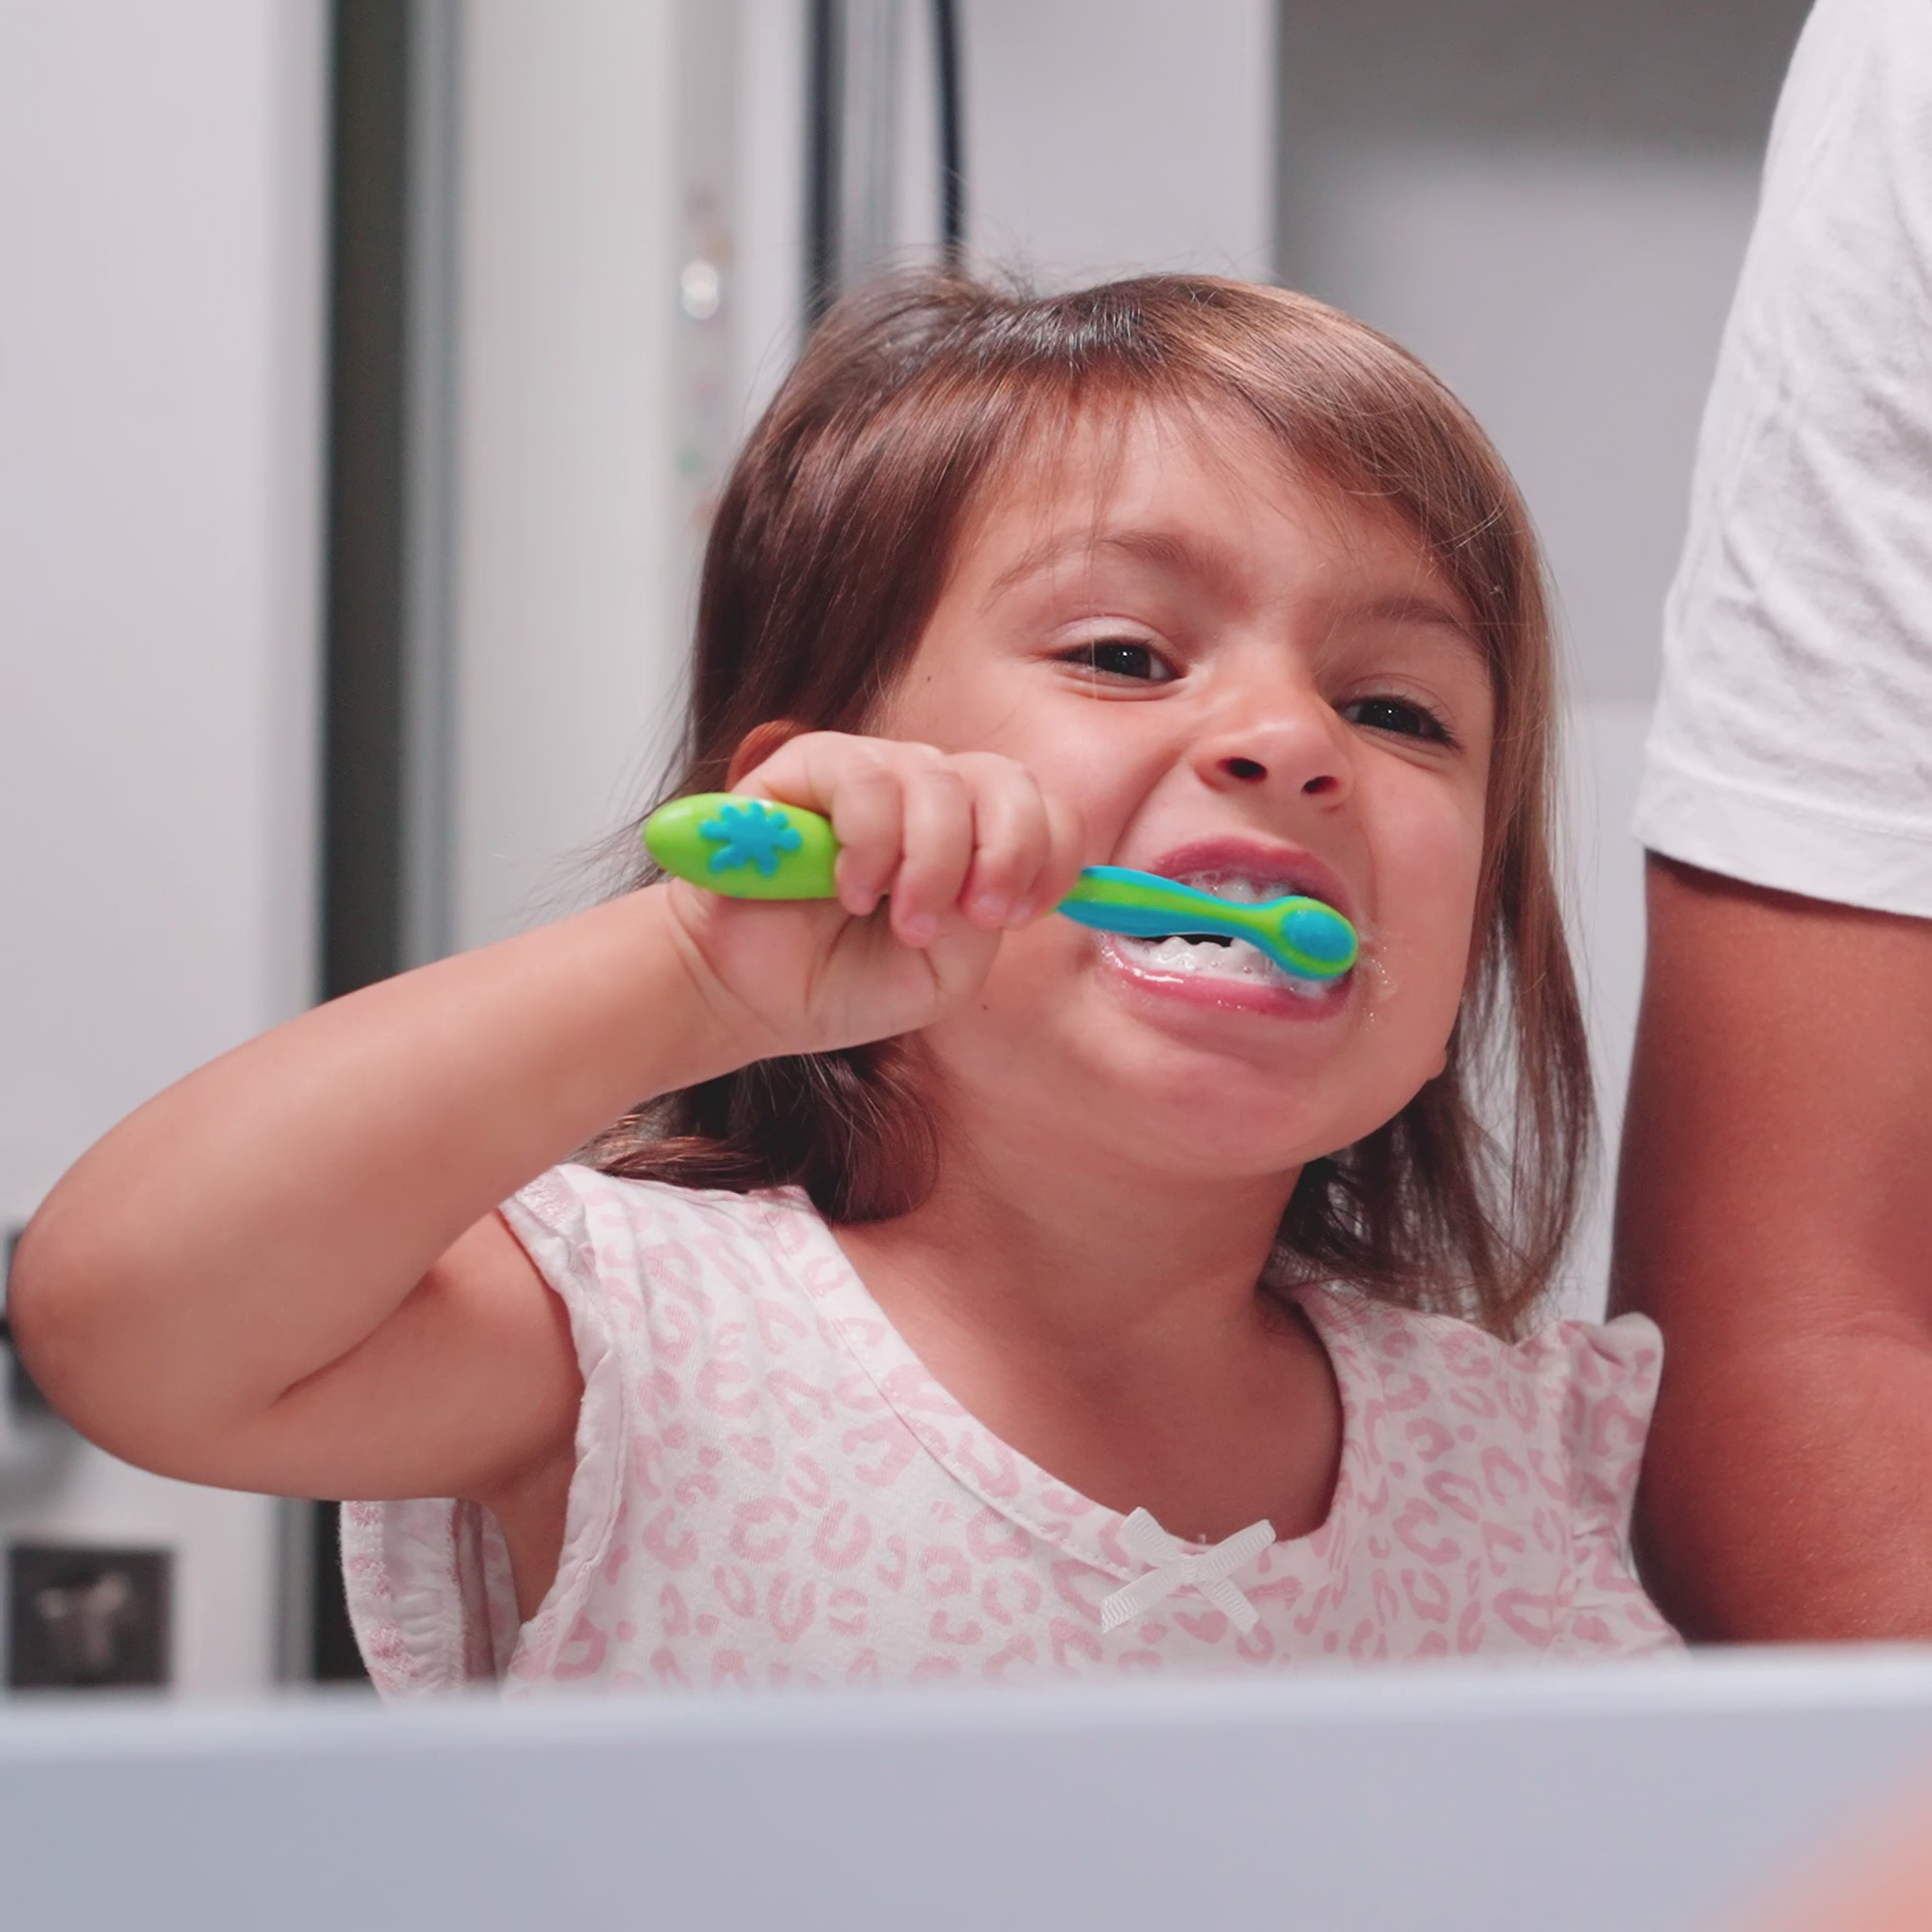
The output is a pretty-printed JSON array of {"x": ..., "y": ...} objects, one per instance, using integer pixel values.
[{"x": 1222, "y": 995}]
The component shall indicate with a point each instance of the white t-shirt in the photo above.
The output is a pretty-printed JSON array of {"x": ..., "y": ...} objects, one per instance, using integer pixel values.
[{"x": 1792, "y": 744}]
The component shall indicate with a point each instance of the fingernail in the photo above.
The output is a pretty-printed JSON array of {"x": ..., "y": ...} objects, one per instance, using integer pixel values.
[
  {"x": 919, "y": 929},
  {"x": 994, "y": 908},
  {"x": 1020, "y": 912}
]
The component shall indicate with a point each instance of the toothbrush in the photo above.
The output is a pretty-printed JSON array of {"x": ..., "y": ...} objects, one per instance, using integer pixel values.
[{"x": 750, "y": 848}]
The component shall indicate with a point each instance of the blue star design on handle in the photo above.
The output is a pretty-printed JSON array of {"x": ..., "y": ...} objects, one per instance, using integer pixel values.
[{"x": 750, "y": 833}]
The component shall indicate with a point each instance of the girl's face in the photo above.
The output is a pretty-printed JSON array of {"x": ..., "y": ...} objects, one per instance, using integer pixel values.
[{"x": 1245, "y": 680}]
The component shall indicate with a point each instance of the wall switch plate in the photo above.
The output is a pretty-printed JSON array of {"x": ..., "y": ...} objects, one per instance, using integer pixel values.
[{"x": 82, "y": 1618}]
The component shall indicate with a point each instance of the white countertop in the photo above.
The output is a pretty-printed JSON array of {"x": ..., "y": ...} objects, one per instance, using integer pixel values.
[{"x": 1549, "y": 1797}]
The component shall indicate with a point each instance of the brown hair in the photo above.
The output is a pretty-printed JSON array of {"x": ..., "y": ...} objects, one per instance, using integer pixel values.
[{"x": 829, "y": 549}]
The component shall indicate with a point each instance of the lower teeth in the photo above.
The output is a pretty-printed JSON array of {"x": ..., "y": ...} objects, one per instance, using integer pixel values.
[{"x": 1219, "y": 960}]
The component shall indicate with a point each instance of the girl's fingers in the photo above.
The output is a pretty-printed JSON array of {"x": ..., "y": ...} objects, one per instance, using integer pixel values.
[
  {"x": 937, "y": 847},
  {"x": 1065, "y": 854},
  {"x": 868, "y": 807},
  {"x": 971, "y": 833},
  {"x": 1012, "y": 840},
  {"x": 854, "y": 782}
]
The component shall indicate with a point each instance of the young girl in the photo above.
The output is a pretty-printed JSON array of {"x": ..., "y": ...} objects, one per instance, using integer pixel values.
[{"x": 970, "y": 1294}]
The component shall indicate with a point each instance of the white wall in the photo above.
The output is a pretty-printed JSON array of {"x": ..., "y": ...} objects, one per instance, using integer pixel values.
[
  {"x": 568, "y": 582},
  {"x": 161, "y": 223},
  {"x": 1116, "y": 136},
  {"x": 764, "y": 292}
]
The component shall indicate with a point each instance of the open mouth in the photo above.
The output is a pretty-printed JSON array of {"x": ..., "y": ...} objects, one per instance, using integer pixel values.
[
  {"x": 1206, "y": 955},
  {"x": 1218, "y": 956}
]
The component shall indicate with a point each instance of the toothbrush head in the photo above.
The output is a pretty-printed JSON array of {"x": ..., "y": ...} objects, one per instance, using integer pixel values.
[
  {"x": 1310, "y": 939},
  {"x": 1301, "y": 935}
]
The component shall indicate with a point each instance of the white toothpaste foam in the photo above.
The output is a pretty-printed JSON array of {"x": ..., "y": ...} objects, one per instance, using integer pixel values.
[{"x": 1233, "y": 959}]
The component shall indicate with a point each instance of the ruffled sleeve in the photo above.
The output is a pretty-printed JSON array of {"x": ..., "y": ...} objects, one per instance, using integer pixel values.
[
  {"x": 1601, "y": 1381},
  {"x": 428, "y": 1580}
]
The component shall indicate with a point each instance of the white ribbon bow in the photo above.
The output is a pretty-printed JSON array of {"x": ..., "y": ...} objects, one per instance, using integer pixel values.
[{"x": 1176, "y": 1567}]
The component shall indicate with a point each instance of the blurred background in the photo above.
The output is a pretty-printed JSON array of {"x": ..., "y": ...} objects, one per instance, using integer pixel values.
[{"x": 367, "y": 371}]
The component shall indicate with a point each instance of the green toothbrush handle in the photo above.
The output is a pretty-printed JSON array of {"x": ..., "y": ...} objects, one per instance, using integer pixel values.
[
  {"x": 750, "y": 848},
  {"x": 746, "y": 848}
]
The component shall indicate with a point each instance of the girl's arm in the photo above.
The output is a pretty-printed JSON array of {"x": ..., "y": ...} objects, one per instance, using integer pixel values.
[{"x": 286, "y": 1273}]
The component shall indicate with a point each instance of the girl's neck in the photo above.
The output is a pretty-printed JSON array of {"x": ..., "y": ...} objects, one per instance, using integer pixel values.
[
  {"x": 1105, "y": 1321},
  {"x": 1085, "y": 1258}
]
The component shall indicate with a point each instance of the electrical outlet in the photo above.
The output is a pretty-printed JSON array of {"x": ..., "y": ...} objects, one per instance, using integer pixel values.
[{"x": 87, "y": 1618}]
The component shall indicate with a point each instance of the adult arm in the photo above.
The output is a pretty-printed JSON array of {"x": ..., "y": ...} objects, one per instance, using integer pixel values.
[{"x": 1775, "y": 1215}]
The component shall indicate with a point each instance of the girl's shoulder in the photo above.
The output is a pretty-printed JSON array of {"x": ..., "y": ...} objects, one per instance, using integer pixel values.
[
  {"x": 1564, "y": 1361},
  {"x": 579, "y": 1200},
  {"x": 1571, "y": 1404},
  {"x": 619, "y": 1242},
  {"x": 1508, "y": 1468}
]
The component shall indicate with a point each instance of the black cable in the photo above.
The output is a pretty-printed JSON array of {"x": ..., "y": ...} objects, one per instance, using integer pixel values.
[
  {"x": 951, "y": 132},
  {"x": 824, "y": 101}
]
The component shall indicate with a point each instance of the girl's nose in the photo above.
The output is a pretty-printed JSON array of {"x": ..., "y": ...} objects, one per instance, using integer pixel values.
[{"x": 1294, "y": 750}]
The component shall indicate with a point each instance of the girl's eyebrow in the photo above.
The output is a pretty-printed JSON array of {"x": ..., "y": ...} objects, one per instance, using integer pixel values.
[
  {"x": 1162, "y": 548},
  {"x": 1168, "y": 550},
  {"x": 1411, "y": 607}
]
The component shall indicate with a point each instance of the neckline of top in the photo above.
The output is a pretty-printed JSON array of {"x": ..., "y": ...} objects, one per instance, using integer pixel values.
[{"x": 1009, "y": 1483}]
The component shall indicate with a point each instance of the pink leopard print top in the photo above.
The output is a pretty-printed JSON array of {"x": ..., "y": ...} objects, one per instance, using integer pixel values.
[{"x": 770, "y": 1488}]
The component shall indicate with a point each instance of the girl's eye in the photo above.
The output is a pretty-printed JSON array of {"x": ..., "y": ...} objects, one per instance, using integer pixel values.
[
  {"x": 1115, "y": 657},
  {"x": 1396, "y": 715}
]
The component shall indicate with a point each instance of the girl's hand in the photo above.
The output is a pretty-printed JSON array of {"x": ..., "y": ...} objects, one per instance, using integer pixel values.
[{"x": 942, "y": 854}]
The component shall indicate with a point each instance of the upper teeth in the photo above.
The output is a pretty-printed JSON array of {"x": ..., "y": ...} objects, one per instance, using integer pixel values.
[{"x": 1235, "y": 888}]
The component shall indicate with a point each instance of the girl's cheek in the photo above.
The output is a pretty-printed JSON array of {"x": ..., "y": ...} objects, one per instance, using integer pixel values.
[
  {"x": 1425, "y": 944},
  {"x": 1029, "y": 962},
  {"x": 1428, "y": 847}
]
